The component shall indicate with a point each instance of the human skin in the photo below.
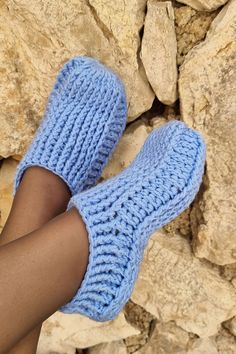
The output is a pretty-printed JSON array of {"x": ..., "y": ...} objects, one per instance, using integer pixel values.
[{"x": 40, "y": 251}]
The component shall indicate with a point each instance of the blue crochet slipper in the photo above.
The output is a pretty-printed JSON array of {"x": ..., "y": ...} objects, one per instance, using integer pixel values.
[
  {"x": 84, "y": 119},
  {"x": 121, "y": 214}
]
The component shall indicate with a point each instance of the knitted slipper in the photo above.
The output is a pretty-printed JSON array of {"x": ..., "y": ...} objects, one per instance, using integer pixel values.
[
  {"x": 121, "y": 214},
  {"x": 84, "y": 119}
]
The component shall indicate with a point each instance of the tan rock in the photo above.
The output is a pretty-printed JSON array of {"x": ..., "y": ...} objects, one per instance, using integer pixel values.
[
  {"x": 173, "y": 285},
  {"x": 7, "y": 173},
  {"x": 130, "y": 145},
  {"x": 62, "y": 333},
  {"x": 233, "y": 282},
  {"x": 167, "y": 338},
  {"x": 109, "y": 348},
  {"x": 191, "y": 28},
  {"x": 226, "y": 343},
  {"x": 207, "y": 89},
  {"x": 203, "y": 346},
  {"x": 203, "y": 5},
  {"x": 231, "y": 326},
  {"x": 139, "y": 318},
  {"x": 228, "y": 271},
  {"x": 38, "y": 37},
  {"x": 181, "y": 225},
  {"x": 61, "y": 348},
  {"x": 159, "y": 50},
  {"x": 121, "y": 22},
  {"x": 158, "y": 121}
]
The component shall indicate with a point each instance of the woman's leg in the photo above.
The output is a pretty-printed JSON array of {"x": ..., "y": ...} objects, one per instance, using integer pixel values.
[
  {"x": 40, "y": 197},
  {"x": 39, "y": 273},
  {"x": 83, "y": 121}
]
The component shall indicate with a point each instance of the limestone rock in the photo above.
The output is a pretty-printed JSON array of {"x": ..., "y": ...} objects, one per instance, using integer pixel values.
[
  {"x": 226, "y": 343},
  {"x": 130, "y": 145},
  {"x": 181, "y": 225},
  {"x": 167, "y": 338},
  {"x": 117, "y": 347},
  {"x": 207, "y": 89},
  {"x": 127, "y": 149},
  {"x": 159, "y": 50},
  {"x": 204, "y": 5},
  {"x": 61, "y": 348},
  {"x": 121, "y": 22},
  {"x": 139, "y": 318},
  {"x": 158, "y": 121},
  {"x": 173, "y": 285},
  {"x": 203, "y": 346},
  {"x": 191, "y": 28},
  {"x": 233, "y": 282},
  {"x": 62, "y": 333},
  {"x": 228, "y": 271},
  {"x": 7, "y": 172},
  {"x": 231, "y": 326},
  {"x": 38, "y": 37}
]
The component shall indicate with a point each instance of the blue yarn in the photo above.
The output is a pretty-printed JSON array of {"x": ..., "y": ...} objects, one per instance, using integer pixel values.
[
  {"x": 83, "y": 121},
  {"x": 121, "y": 214}
]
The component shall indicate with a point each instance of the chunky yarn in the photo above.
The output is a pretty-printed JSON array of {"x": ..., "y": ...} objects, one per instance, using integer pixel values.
[
  {"x": 121, "y": 214},
  {"x": 83, "y": 121}
]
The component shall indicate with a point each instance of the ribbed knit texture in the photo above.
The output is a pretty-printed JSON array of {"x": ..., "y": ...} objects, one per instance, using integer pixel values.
[
  {"x": 121, "y": 214},
  {"x": 83, "y": 121}
]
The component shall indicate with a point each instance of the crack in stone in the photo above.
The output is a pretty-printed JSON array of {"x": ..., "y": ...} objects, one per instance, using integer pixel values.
[{"x": 101, "y": 25}]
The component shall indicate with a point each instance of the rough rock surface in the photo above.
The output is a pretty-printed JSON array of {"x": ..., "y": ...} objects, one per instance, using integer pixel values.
[
  {"x": 231, "y": 326},
  {"x": 38, "y": 37},
  {"x": 207, "y": 93},
  {"x": 204, "y": 5},
  {"x": 228, "y": 271},
  {"x": 117, "y": 347},
  {"x": 130, "y": 145},
  {"x": 202, "y": 346},
  {"x": 127, "y": 149},
  {"x": 174, "y": 285},
  {"x": 62, "y": 333},
  {"x": 181, "y": 225},
  {"x": 159, "y": 50},
  {"x": 138, "y": 317},
  {"x": 191, "y": 28},
  {"x": 226, "y": 343},
  {"x": 7, "y": 172},
  {"x": 166, "y": 338}
]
